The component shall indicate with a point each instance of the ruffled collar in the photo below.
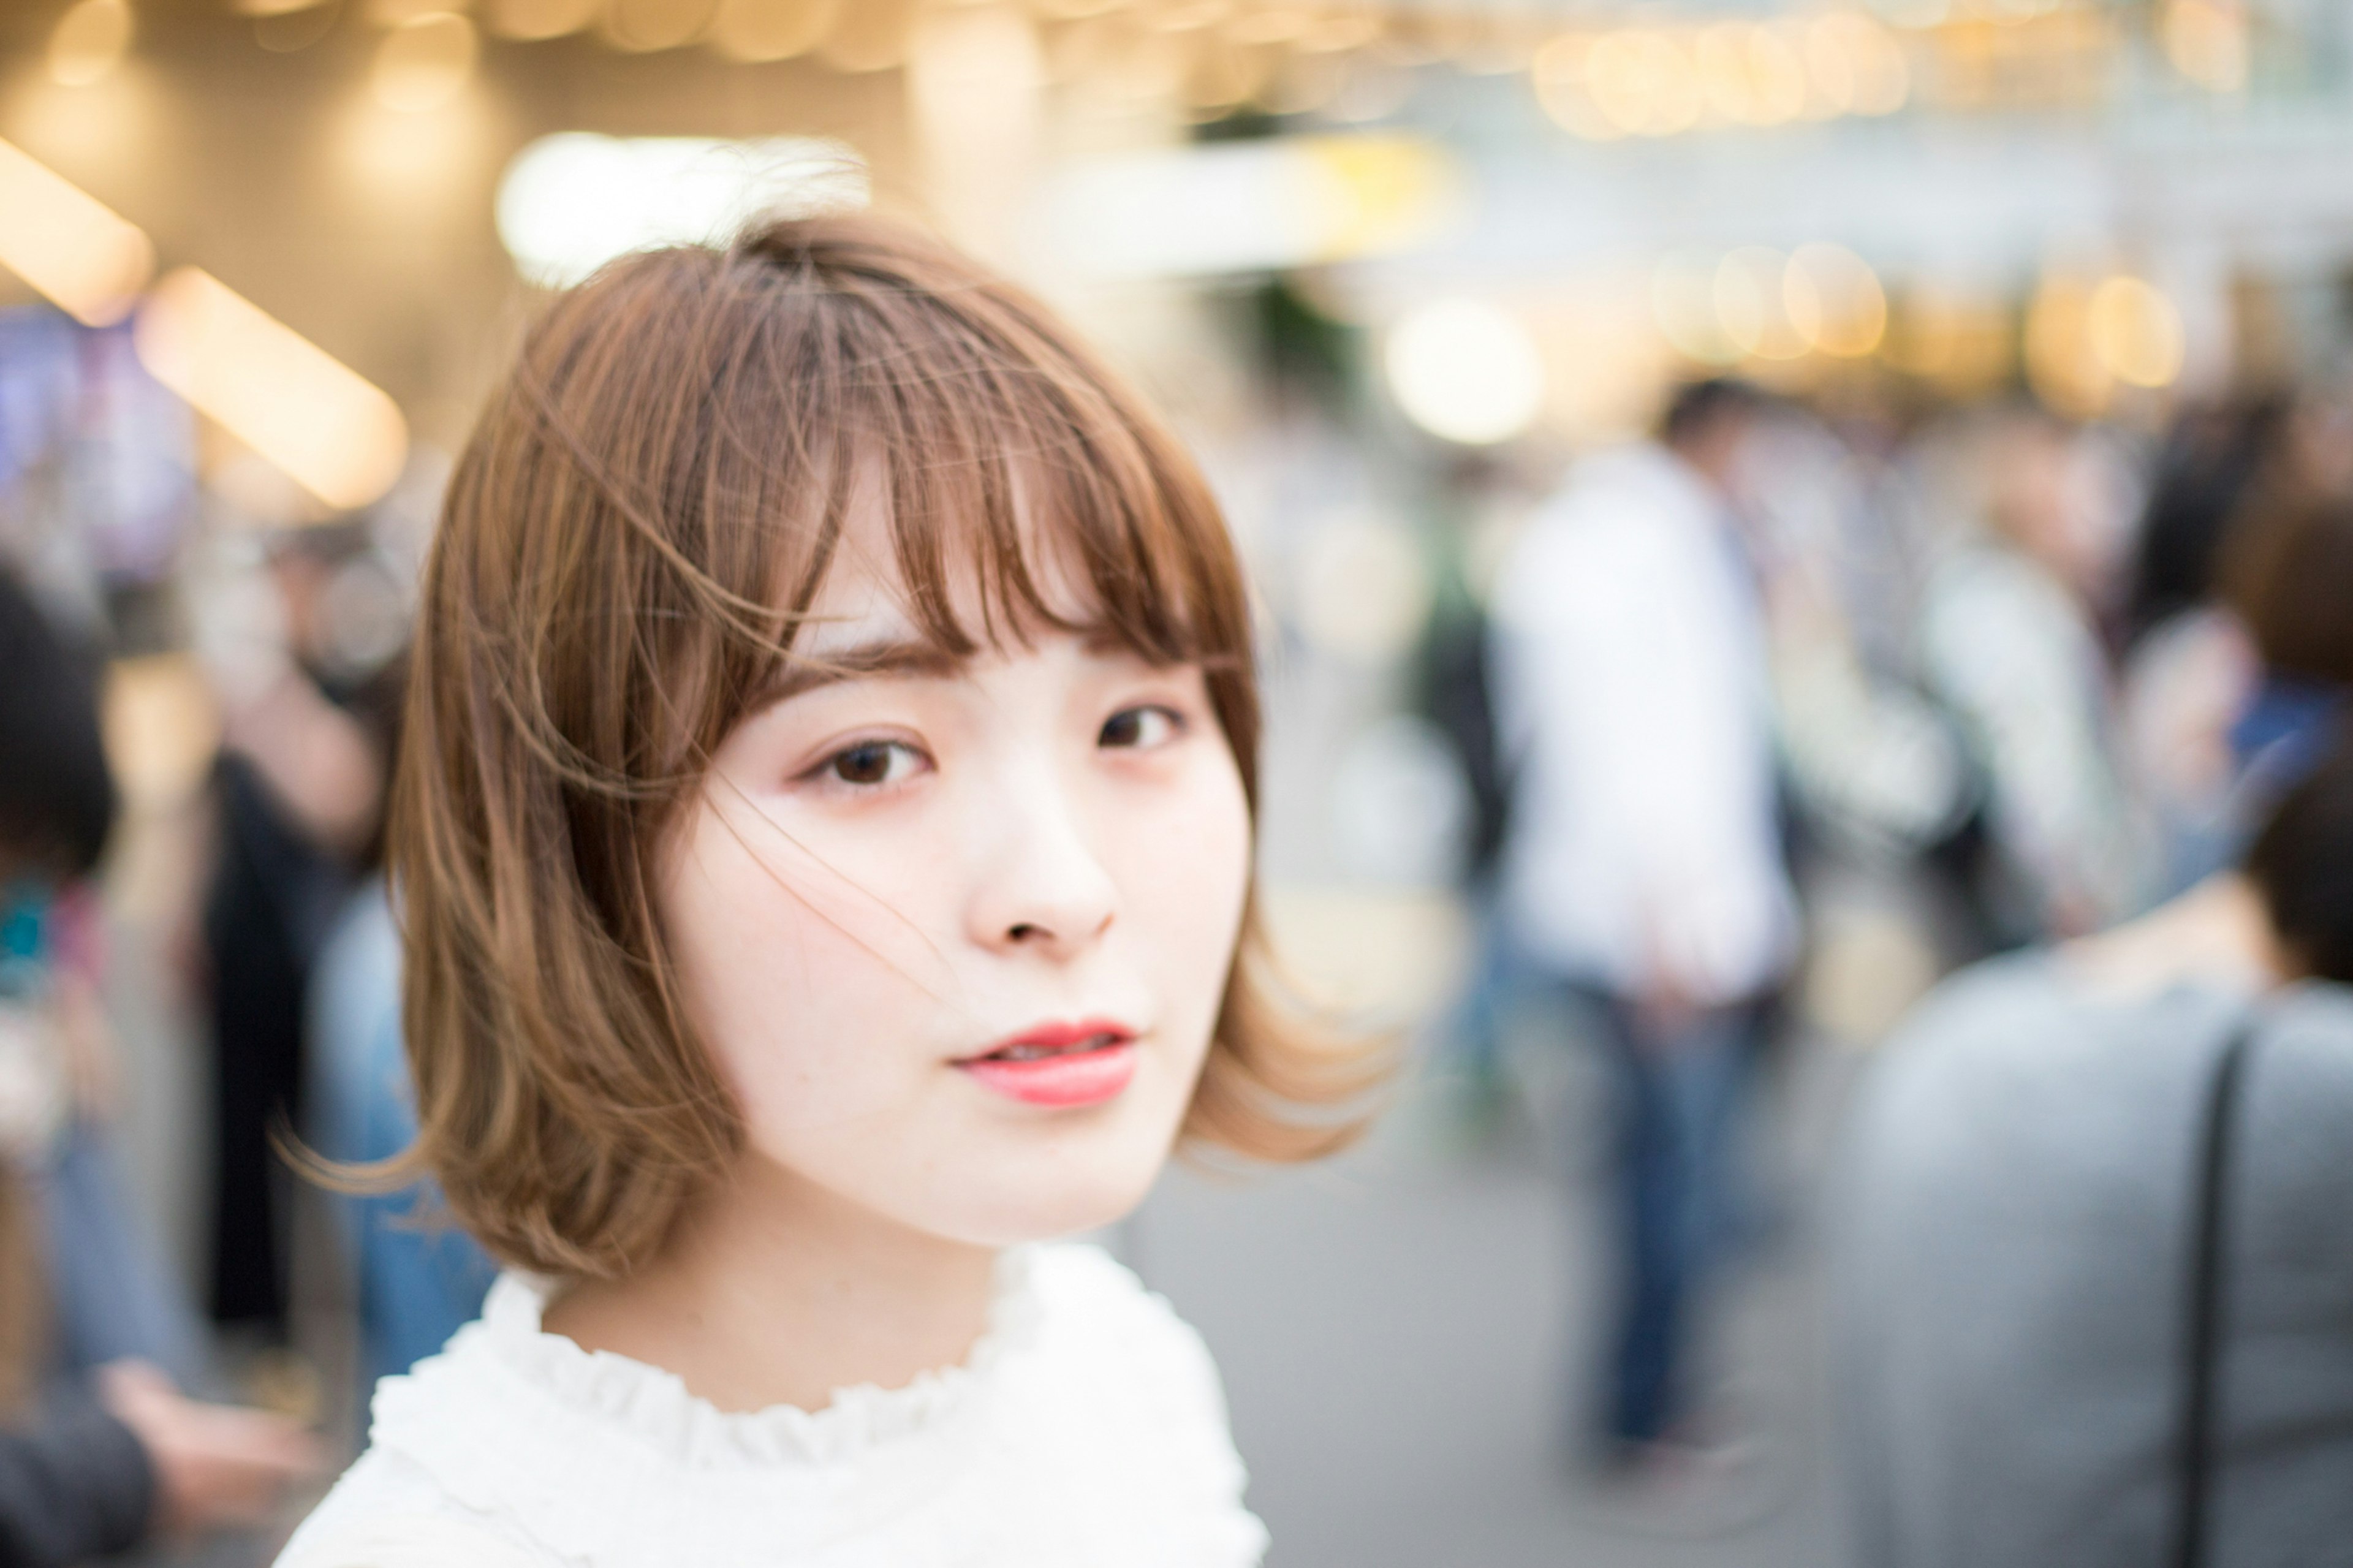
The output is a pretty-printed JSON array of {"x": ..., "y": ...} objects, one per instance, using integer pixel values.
[{"x": 655, "y": 1408}]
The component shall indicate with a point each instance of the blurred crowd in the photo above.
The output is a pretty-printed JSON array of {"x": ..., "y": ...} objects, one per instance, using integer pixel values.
[
  {"x": 2011, "y": 684},
  {"x": 2068, "y": 700}
]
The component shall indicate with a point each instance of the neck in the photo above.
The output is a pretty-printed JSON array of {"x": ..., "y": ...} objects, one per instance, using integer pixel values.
[
  {"x": 770, "y": 1291},
  {"x": 2219, "y": 933}
]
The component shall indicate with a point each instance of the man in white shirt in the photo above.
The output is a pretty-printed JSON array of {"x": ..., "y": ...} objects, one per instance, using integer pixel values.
[{"x": 1643, "y": 866}]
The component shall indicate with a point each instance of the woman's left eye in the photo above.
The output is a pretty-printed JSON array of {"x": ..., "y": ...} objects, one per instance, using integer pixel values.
[{"x": 1140, "y": 729}]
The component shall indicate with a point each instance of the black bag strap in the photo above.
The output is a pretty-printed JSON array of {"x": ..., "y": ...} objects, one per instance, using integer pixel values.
[{"x": 2194, "y": 1440}]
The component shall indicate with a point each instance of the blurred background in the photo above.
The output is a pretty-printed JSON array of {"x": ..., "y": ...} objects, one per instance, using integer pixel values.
[{"x": 2014, "y": 301}]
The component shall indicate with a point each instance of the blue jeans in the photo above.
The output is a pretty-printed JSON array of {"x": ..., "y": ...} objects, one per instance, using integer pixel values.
[
  {"x": 418, "y": 1282},
  {"x": 1678, "y": 1100},
  {"x": 114, "y": 1295}
]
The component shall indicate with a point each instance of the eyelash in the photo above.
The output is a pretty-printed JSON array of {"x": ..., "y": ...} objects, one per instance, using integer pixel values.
[
  {"x": 829, "y": 769},
  {"x": 1175, "y": 722}
]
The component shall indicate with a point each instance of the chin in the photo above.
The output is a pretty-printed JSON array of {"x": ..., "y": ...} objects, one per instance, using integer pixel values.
[{"x": 1044, "y": 1200}]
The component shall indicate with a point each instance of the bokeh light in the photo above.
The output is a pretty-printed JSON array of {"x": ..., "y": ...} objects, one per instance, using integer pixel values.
[
  {"x": 771, "y": 29},
  {"x": 1750, "y": 291},
  {"x": 424, "y": 63},
  {"x": 317, "y": 420},
  {"x": 68, "y": 245},
  {"x": 88, "y": 41},
  {"x": 2135, "y": 331},
  {"x": 2207, "y": 42},
  {"x": 1466, "y": 370},
  {"x": 644, "y": 26},
  {"x": 1683, "y": 303},
  {"x": 572, "y": 202},
  {"x": 531, "y": 20},
  {"x": 2063, "y": 366},
  {"x": 1834, "y": 302}
]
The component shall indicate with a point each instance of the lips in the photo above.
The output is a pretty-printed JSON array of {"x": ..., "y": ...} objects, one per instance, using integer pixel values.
[{"x": 1059, "y": 1065}]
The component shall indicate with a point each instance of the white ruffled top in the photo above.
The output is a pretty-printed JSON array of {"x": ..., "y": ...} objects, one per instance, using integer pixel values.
[{"x": 1086, "y": 1430}]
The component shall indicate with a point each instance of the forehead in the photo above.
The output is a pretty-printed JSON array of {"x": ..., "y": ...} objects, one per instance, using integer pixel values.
[{"x": 981, "y": 587}]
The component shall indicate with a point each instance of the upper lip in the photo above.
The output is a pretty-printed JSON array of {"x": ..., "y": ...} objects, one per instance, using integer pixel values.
[{"x": 1060, "y": 1035}]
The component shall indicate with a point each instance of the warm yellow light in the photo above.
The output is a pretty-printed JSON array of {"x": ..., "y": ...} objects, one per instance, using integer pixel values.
[
  {"x": 1723, "y": 66},
  {"x": 1776, "y": 76},
  {"x": 643, "y": 26},
  {"x": 424, "y": 63},
  {"x": 1644, "y": 82},
  {"x": 1750, "y": 286},
  {"x": 531, "y": 20},
  {"x": 312, "y": 417},
  {"x": 1683, "y": 303},
  {"x": 2063, "y": 364},
  {"x": 870, "y": 36},
  {"x": 88, "y": 41},
  {"x": 274, "y": 7},
  {"x": 1882, "y": 76},
  {"x": 1341, "y": 30},
  {"x": 1268, "y": 25},
  {"x": 1830, "y": 59},
  {"x": 1834, "y": 300},
  {"x": 65, "y": 243},
  {"x": 2207, "y": 42},
  {"x": 1557, "y": 72},
  {"x": 1185, "y": 15},
  {"x": 771, "y": 29},
  {"x": 2135, "y": 331}
]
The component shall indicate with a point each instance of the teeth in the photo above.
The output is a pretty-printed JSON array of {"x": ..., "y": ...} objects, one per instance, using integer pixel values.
[{"x": 1038, "y": 1053}]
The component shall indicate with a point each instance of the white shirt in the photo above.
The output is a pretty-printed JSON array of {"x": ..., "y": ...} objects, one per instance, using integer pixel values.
[
  {"x": 1086, "y": 1430},
  {"x": 1631, "y": 692},
  {"x": 2016, "y": 657}
]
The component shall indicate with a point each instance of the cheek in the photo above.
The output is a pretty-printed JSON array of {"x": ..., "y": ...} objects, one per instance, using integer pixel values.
[
  {"x": 784, "y": 966},
  {"x": 1184, "y": 876}
]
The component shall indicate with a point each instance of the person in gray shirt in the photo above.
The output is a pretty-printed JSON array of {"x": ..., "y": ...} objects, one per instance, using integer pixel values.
[{"x": 2012, "y": 1234}]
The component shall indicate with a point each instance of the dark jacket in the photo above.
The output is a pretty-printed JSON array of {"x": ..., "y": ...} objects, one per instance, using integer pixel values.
[{"x": 74, "y": 1485}]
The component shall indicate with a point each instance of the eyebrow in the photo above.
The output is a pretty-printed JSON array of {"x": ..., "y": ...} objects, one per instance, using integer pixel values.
[
  {"x": 881, "y": 660},
  {"x": 888, "y": 658}
]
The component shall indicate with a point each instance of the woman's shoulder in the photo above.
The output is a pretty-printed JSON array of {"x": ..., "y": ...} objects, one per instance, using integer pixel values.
[{"x": 388, "y": 1513}]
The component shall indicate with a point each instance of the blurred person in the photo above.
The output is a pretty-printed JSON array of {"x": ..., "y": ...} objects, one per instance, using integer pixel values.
[
  {"x": 2288, "y": 576},
  {"x": 103, "y": 1450},
  {"x": 307, "y": 712},
  {"x": 1643, "y": 866},
  {"x": 2011, "y": 647},
  {"x": 2212, "y": 459},
  {"x": 2227, "y": 699},
  {"x": 139, "y": 1462},
  {"x": 2189, "y": 668},
  {"x": 2014, "y": 1251},
  {"x": 1456, "y": 688},
  {"x": 112, "y": 1296}
]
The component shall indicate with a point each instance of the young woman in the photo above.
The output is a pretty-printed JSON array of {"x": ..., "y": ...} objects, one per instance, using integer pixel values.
[{"x": 824, "y": 842}]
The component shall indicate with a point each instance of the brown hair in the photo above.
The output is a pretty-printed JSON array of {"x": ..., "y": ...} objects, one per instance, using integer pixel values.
[
  {"x": 2287, "y": 570},
  {"x": 630, "y": 542}
]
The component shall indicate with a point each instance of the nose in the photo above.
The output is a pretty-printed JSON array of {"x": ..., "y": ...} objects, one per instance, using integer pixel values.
[{"x": 1039, "y": 884}]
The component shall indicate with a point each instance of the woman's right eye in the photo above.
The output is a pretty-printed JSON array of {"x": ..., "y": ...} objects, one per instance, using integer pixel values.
[{"x": 870, "y": 763}]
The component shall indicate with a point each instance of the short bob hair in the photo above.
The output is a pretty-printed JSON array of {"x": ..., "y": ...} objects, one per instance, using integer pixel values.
[{"x": 630, "y": 542}]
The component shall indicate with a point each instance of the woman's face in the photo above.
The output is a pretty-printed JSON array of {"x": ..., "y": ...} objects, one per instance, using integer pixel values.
[{"x": 958, "y": 936}]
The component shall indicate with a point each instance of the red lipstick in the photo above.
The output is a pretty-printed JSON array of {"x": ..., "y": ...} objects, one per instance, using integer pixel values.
[{"x": 1082, "y": 1063}]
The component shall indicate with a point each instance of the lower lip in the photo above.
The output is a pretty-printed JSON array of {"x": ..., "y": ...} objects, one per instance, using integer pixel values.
[{"x": 1073, "y": 1077}]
